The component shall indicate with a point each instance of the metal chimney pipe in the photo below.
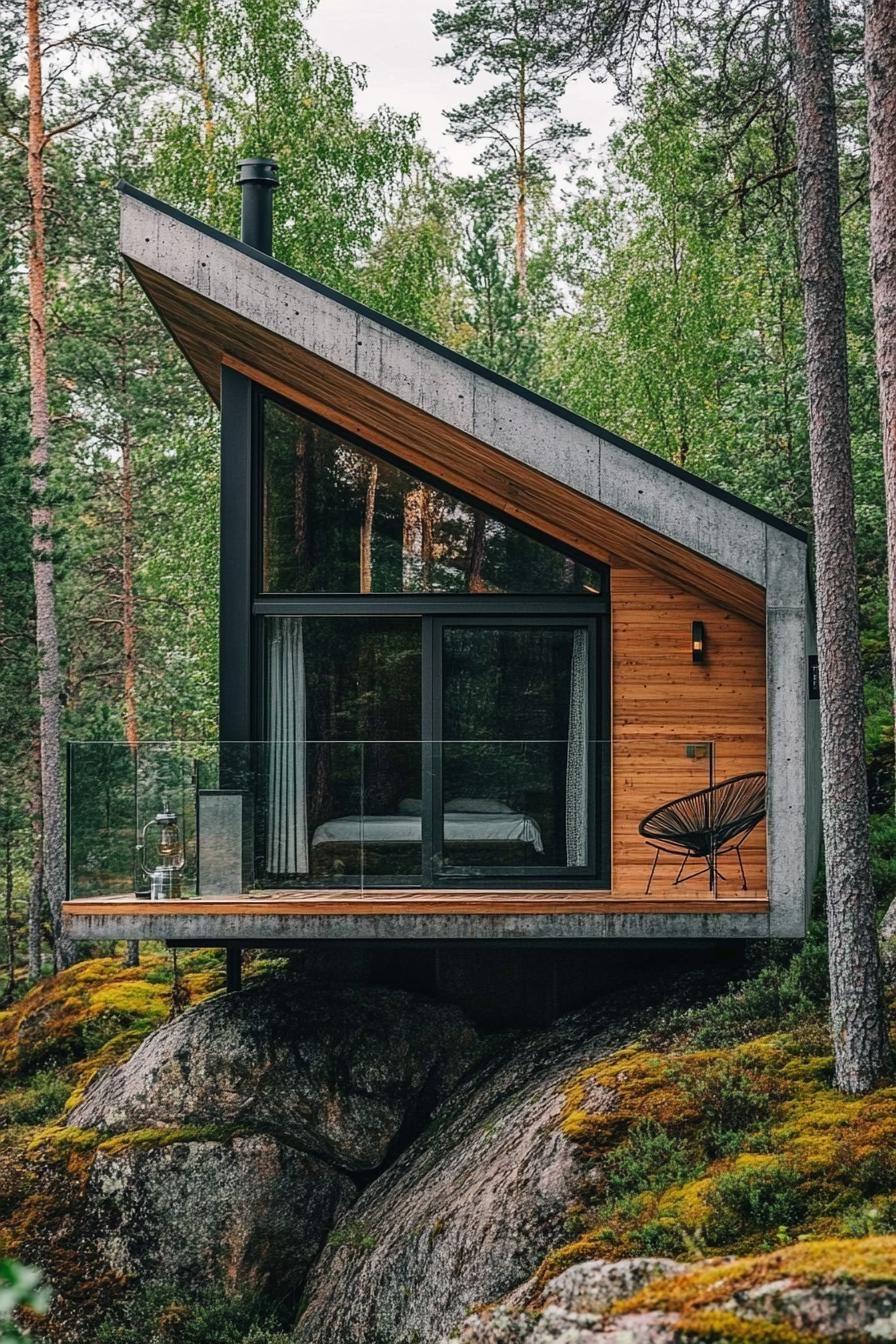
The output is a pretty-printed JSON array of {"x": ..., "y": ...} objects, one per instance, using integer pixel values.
[{"x": 257, "y": 179}]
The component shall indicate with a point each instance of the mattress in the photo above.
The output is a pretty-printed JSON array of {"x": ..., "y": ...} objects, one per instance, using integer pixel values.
[{"x": 479, "y": 827}]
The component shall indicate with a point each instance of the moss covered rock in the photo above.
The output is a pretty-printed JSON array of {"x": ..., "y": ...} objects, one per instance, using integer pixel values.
[
  {"x": 70, "y": 1017},
  {"x": 342, "y": 1071},
  {"x": 807, "y": 1293}
]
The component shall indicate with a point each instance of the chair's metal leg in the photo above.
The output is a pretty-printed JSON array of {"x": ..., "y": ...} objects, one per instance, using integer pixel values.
[
  {"x": 742, "y": 873},
  {"x": 681, "y": 869},
  {"x": 656, "y": 859}
]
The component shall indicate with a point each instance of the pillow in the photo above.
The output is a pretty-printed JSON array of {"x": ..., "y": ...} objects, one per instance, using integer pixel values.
[
  {"x": 411, "y": 807},
  {"x": 476, "y": 805}
]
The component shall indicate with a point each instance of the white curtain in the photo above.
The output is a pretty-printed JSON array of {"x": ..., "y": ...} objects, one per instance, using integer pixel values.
[
  {"x": 287, "y": 829},
  {"x": 577, "y": 754}
]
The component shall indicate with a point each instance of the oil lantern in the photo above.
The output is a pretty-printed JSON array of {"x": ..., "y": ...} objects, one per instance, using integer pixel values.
[{"x": 164, "y": 878}]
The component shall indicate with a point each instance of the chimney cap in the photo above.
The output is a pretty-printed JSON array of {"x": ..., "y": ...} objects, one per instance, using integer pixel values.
[{"x": 260, "y": 171}]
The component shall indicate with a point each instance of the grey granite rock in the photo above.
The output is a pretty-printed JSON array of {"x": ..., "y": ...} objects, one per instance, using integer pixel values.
[{"x": 340, "y": 1071}]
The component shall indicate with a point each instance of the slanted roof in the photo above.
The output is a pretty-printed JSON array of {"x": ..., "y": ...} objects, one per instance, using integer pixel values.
[{"x": 428, "y": 407}]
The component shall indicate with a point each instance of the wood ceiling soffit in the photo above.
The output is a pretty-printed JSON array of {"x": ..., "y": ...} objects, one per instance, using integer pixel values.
[{"x": 210, "y": 335}]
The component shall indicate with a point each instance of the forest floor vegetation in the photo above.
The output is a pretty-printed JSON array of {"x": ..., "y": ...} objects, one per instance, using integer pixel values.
[{"x": 726, "y": 1138}]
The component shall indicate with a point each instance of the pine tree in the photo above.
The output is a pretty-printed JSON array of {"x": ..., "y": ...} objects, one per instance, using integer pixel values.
[
  {"x": 17, "y": 664},
  {"x": 518, "y": 117},
  {"x": 859, "y": 1028}
]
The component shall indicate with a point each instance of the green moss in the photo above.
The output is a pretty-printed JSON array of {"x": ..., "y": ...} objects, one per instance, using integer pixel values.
[
  {"x": 724, "y": 1327},
  {"x": 872, "y": 1261},
  {"x": 728, "y": 1150},
  {"x": 72, "y": 1016},
  {"x": 162, "y": 1138},
  {"x": 357, "y": 1236}
]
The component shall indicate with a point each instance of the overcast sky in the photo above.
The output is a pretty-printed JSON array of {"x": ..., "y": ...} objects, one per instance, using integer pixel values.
[{"x": 394, "y": 40}]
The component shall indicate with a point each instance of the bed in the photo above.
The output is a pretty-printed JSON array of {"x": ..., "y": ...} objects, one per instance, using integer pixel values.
[
  {"x": 390, "y": 843},
  {"x": 475, "y": 827}
]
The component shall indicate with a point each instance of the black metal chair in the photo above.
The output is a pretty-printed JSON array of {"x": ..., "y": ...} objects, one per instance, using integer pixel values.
[{"x": 706, "y": 825}]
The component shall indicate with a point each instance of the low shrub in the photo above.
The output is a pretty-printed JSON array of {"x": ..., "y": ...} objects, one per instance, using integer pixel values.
[
  {"x": 649, "y": 1159},
  {"x": 42, "y": 1099},
  {"x": 753, "y": 1199},
  {"x": 157, "y": 1316},
  {"x": 732, "y": 1100},
  {"x": 786, "y": 988}
]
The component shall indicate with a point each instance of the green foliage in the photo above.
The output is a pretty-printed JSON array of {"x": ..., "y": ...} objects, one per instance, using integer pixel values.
[
  {"x": 357, "y": 1236},
  {"x": 511, "y": 45},
  {"x": 160, "y": 1316},
  {"x": 42, "y": 1099},
  {"x": 883, "y": 850},
  {"x": 502, "y": 335},
  {"x": 649, "y": 1159},
  {"x": 252, "y": 82},
  {"x": 731, "y": 1100},
  {"x": 20, "y": 1287},
  {"x": 761, "y": 1198},
  {"x": 789, "y": 988}
]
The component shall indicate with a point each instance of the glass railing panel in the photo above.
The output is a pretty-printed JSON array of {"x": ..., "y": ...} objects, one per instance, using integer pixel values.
[
  {"x": 520, "y": 807},
  {"x": 101, "y": 790},
  {"x": 234, "y": 818},
  {"x": 393, "y": 821},
  {"x": 325, "y": 827}
]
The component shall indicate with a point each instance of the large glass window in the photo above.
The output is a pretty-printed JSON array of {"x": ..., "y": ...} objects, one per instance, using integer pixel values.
[
  {"x": 343, "y": 712},
  {"x": 428, "y": 749},
  {"x": 432, "y": 680},
  {"x": 337, "y": 519}
]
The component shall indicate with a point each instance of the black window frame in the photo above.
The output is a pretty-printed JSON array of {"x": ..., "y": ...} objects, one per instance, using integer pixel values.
[{"x": 244, "y": 608}]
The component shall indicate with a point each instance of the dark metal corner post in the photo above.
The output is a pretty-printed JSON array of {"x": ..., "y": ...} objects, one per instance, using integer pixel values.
[
  {"x": 235, "y": 621},
  {"x": 258, "y": 180}
]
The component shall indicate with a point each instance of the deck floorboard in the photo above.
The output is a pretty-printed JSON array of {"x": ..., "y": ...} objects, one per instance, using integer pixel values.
[{"x": 385, "y": 901}]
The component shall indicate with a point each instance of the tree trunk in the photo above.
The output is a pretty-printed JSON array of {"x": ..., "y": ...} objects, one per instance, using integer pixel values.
[
  {"x": 861, "y": 1053},
  {"x": 880, "y": 80},
  {"x": 477, "y": 554},
  {"x": 128, "y": 601},
  {"x": 36, "y": 885},
  {"x": 128, "y": 604},
  {"x": 49, "y": 677},
  {"x": 8, "y": 916},
  {"x": 367, "y": 530},
  {"x": 522, "y": 185}
]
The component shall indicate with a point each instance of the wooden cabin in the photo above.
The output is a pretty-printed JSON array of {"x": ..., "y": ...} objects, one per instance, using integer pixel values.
[{"x": 487, "y": 671}]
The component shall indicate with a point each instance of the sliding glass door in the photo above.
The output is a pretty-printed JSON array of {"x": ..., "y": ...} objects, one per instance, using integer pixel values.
[
  {"x": 432, "y": 750},
  {"x": 515, "y": 783}
]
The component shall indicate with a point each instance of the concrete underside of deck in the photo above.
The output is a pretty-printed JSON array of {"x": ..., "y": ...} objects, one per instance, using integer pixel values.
[{"x": 297, "y": 916}]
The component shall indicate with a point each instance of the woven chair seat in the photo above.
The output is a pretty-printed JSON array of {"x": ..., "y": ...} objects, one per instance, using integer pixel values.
[{"x": 708, "y": 823}]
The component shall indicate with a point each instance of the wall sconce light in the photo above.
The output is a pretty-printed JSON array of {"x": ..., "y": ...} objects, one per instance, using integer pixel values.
[{"x": 698, "y": 641}]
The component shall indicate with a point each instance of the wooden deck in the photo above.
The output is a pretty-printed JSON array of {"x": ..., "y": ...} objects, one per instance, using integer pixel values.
[{"x": 404, "y": 901}]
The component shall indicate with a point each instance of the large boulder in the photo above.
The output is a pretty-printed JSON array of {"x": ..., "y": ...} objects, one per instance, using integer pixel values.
[
  {"x": 345, "y": 1072},
  {"x": 470, "y": 1210},
  {"x": 627, "y": 1302},
  {"x": 573, "y": 1308},
  {"x": 247, "y": 1214}
]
